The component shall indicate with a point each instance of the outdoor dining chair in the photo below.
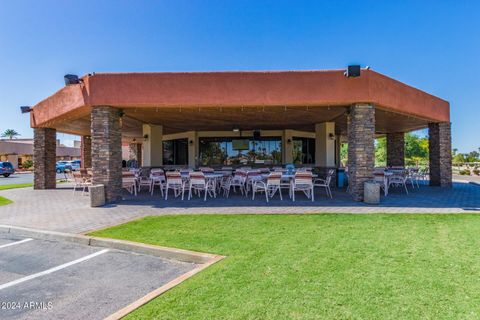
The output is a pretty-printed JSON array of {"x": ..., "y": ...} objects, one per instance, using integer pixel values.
[
  {"x": 325, "y": 183},
  {"x": 234, "y": 182},
  {"x": 157, "y": 178},
  {"x": 174, "y": 183},
  {"x": 198, "y": 183},
  {"x": 303, "y": 181},
  {"x": 129, "y": 183},
  {"x": 80, "y": 182},
  {"x": 398, "y": 179},
  {"x": 270, "y": 187},
  {"x": 143, "y": 179}
]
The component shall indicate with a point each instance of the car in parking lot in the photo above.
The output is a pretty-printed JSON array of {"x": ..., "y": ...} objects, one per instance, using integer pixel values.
[
  {"x": 61, "y": 166},
  {"x": 6, "y": 168},
  {"x": 75, "y": 164}
]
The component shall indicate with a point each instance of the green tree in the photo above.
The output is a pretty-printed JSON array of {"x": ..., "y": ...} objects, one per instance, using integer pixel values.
[
  {"x": 416, "y": 149},
  {"x": 10, "y": 134},
  {"x": 381, "y": 152}
]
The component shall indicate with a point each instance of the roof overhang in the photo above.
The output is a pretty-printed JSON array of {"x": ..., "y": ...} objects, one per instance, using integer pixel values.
[{"x": 154, "y": 91}]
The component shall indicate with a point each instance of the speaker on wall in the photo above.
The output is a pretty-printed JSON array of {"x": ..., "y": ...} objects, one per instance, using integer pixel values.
[{"x": 353, "y": 71}]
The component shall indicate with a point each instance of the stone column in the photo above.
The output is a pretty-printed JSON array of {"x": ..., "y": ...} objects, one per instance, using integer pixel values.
[
  {"x": 396, "y": 149},
  {"x": 440, "y": 150},
  {"x": 361, "y": 147},
  {"x": 107, "y": 151},
  {"x": 86, "y": 151},
  {"x": 44, "y": 158}
]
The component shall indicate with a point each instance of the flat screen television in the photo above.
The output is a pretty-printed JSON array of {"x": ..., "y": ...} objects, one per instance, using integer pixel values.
[{"x": 240, "y": 144}]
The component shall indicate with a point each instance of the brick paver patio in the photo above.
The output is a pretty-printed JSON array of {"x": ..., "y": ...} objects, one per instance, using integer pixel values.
[{"x": 60, "y": 210}]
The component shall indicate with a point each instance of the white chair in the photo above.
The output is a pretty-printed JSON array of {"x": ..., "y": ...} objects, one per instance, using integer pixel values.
[
  {"x": 129, "y": 183},
  {"x": 238, "y": 180},
  {"x": 252, "y": 176},
  {"x": 198, "y": 183},
  {"x": 206, "y": 169},
  {"x": 325, "y": 183},
  {"x": 80, "y": 182},
  {"x": 175, "y": 183},
  {"x": 398, "y": 179},
  {"x": 302, "y": 182},
  {"x": 270, "y": 187},
  {"x": 413, "y": 176},
  {"x": 382, "y": 180},
  {"x": 157, "y": 178},
  {"x": 143, "y": 179}
]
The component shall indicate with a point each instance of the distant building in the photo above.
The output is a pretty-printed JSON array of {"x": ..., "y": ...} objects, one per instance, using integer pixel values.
[{"x": 18, "y": 151}]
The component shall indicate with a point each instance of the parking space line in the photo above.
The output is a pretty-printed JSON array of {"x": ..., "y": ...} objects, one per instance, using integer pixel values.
[
  {"x": 51, "y": 270},
  {"x": 14, "y": 243}
]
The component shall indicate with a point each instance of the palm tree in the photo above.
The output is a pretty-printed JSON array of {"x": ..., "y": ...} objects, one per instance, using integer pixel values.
[{"x": 10, "y": 133}]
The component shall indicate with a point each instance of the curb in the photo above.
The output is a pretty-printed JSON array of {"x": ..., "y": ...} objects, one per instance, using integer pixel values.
[
  {"x": 202, "y": 260},
  {"x": 141, "y": 248}
]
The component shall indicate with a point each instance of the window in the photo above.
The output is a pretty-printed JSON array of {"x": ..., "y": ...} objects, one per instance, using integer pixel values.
[
  {"x": 220, "y": 151},
  {"x": 303, "y": 150},
  {"x": 175, "y": 152}
]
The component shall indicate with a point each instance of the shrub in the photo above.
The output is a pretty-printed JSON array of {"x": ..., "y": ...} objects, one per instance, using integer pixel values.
[
  {"x": 27, "y": 164},
  {"x": 464, "y": 172},
  {"x": 476, "y": 172}
]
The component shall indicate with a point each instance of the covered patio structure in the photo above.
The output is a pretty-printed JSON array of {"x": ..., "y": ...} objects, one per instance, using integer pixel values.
[{"x": 233, "y": 118}]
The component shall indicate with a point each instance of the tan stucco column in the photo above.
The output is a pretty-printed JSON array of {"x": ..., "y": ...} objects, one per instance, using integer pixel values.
[
  {"x": 287, "y": 146},
  {"x": 152, "y": 145},
  {"x": 324, "y": 144},
  {"x": 192, "y": 148}
]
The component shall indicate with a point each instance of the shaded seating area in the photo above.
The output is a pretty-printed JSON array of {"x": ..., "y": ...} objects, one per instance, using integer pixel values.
[{"x": 236, "y": 128}]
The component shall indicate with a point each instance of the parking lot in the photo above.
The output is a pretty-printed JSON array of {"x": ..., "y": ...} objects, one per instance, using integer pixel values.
[{"x": 42, "y": 279}]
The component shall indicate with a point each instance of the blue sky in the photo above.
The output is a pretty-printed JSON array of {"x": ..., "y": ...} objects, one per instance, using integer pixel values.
[{"x": 432, "y": 45}]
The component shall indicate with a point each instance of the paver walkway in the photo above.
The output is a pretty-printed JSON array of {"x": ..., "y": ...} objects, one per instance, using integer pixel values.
[{"x": 60, "y": 210}]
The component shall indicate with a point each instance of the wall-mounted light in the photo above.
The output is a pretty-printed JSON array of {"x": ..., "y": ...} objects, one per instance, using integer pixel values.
[
  {"x": 145, "y": 137},
  {"x": 331, "y": 136},
  {"x": 26, "y": 109},
  {"x": 289, "y": 140},
  {"x": 134, "y": 140},
  {"x": 236, "y": 129},
  {"x": 190, "y": 142}
]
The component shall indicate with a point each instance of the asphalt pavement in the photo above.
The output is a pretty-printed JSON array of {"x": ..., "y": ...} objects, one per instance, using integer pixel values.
[
  {"x": 42, "y": 279},
  {"x": 23, "y": 178}
]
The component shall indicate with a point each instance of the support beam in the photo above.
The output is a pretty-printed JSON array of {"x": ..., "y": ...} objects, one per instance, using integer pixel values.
[
  {"x": 325, "y": 144},
  {"x": 152, "y": 146},
  {"x": 440, "y": 150},
  {"x": 288, "y": 146},
  {"x": 86, "y": 151},
  {"x": 107, "y": 151},
  {"x": 44, "y": 158},
  {"x": 192, "y": 148},
  {"x": 361, "y": 147},
  {"x": 396, "y": 149}
]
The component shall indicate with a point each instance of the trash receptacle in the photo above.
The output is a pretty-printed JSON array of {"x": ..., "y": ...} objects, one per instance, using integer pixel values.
[
  {"x": 371, "y": 192},
  {"x": 97, "y": 195},
  {"x": 340, "y": 177}
]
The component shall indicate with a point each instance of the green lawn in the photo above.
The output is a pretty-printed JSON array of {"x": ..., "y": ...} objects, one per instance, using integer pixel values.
[
  {"x": 319, "y": 266},
  {"x": 4, "y": 201},
  {"x": 15, "y": 185}
]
